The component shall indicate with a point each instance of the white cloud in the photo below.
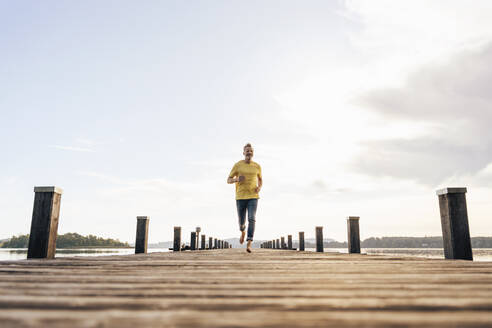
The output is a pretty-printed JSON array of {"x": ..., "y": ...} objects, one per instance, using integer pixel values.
[{"x": 453, "y": 99}]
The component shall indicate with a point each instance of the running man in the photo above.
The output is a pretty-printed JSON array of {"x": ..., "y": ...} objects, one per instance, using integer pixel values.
[{"x": 246, "y": 174}]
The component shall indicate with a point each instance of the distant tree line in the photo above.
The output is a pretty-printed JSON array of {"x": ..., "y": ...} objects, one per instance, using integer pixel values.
[
  {"x": 405, "y": 242},
  {"x": 68, "y": 240}
]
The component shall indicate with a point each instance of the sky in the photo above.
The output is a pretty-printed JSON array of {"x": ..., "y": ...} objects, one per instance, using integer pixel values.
[{"x": 354, "y": 108}]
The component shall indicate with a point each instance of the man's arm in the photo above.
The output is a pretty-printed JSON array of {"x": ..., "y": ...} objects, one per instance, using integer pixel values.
[
  {"x": 235, "y": 179},
  {"x": 260, "y": 183}
]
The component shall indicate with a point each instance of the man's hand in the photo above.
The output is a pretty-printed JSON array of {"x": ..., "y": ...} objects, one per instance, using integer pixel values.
[
  {"x": 257, "y": 189},
  {"x": 241, "y": 178}
]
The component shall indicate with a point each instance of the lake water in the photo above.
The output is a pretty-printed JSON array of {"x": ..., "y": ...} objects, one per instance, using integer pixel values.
[
  {"x": 21, "y": 253},
  {"x": 479, "y": 254}
]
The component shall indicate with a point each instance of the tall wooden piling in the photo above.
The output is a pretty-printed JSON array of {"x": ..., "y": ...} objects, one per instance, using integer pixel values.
[
  {"x": 277, "y": 246},
  {"x": 197, "y": 230},
  {"x": 177, "y": 239},
  {"x": 210, "y": 242},
  {"x": 193, "y": 241},
  {"x": 301, "y": 241},
  {"x": 454, "y": 224},
  {"x": 202, "y": 246},
  {"x": 44, "y": 224},
  {"x": 289, "y": 241},
  {"x": 142, "y": 234},
  {"x": 216, "y": 244},
  {"x": 319, "y": 239},
  {"x": 353, "y": 234},
  {"x": 282, "y": 242}
]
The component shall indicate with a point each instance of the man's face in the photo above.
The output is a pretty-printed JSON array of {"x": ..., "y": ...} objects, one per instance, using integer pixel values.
[{"x": 248, "y": 152}]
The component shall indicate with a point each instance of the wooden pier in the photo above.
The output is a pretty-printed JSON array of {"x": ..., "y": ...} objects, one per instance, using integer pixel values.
[{"x": 231, "y": 288}]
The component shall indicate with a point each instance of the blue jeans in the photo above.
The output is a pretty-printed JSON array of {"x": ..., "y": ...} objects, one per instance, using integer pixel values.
[{"x": 250, "y": 205}]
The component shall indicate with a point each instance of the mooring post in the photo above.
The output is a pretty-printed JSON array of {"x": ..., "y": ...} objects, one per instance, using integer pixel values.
[
  {"x": 216, "y": 244},
  {"x": 210, "y": 241},
  {"x": 177, "y": 239},
  {"x": 301, "y": 241},
  {"x": 282, "y": 242},
  {"x": 353, "y": 234},
  {"x": 203, "y": 242},
  {"x": 319, "y": 239},
  {"x": 44, "y": 224},
  {"x": 454, "y": 223},
  {"x": 142, "y": 234},
  {"x": 289, "y": 241},
  {"x": 278, "y": 244},
  {"x": 197, "y": 229},
  {"x": 193, "y": 241}
]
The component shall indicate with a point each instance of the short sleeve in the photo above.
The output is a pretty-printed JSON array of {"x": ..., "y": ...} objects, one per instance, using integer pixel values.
[
  {"x": 233, "y": 171},
  {"x": 259, "y": 172}
]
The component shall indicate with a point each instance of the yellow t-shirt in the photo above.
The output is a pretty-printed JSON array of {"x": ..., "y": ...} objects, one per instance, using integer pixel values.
[{"x": 251, "y": 172}]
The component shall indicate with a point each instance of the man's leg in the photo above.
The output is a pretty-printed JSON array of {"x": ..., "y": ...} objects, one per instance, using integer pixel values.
[
  {"x": 252, "y": 205},
  {"x": 241, "y": 205}
]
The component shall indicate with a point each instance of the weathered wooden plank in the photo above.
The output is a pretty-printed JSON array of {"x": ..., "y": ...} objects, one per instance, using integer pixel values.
[{"x": 283, "y": 288}]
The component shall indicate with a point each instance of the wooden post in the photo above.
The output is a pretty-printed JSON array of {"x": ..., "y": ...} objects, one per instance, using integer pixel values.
[
  {"x": 44, "y": 224},
  {"x": 319, "y": 239},
  {"x": 197, "y": 229},
  {"x": 215, "y": 243},
  {"x": 177, "y": 239},
  {"x": 193, "y": 241},
  {"x": 454, "y": 224},
  {"x": 282, "y": 242},
  {"x": 301, "y": 241},
  {"x": 210, "y": 241},
  {"x": 278, "y": 244},
  {"x": 353, "y": 234},
  {"x": 142, "y": 234},
  {"x": 289, "y": 241},
  {"x": 203, "y": 242}
]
